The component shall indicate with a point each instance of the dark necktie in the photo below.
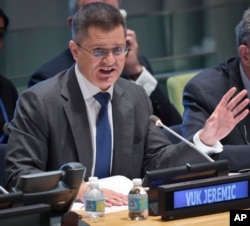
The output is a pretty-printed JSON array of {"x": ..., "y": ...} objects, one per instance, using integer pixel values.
[{"x": 103, "y": 137}]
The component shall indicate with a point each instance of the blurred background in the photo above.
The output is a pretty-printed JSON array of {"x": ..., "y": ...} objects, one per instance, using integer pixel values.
[{"x": 175, "y": 35}]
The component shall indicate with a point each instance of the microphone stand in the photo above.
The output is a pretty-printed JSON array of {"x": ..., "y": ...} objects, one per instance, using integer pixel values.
[{"x": 160, "y": 124}]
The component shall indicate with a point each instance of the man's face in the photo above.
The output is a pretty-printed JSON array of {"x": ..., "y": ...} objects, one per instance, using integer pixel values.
[
  {"x": 111, "y": 2},
  {"x": 1, "y": 32},
  {"x": 100, "y": 71}
]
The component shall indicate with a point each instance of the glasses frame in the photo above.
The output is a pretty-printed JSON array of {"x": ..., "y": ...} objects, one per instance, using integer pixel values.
[{"x": 105, "y": 52}]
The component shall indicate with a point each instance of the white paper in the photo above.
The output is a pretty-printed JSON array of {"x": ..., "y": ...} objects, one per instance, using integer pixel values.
[{"x": 119, "y": 184}]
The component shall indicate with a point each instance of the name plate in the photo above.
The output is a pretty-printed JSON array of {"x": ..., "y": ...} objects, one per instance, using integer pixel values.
[{"x": 206, "y": 196}]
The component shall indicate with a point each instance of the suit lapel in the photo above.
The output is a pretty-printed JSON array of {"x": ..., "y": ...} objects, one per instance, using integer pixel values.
[
  {"x": 123, "y": 125},
  {"x": 76, "y": 113}
]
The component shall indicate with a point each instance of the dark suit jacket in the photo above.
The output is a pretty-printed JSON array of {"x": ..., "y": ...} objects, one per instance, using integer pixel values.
[
  {"x": 9, "y": 95},
  {"x": 161, "y": 104},
  {"x": 201, "y": 96},
  {"x": 51, "y": 128}
]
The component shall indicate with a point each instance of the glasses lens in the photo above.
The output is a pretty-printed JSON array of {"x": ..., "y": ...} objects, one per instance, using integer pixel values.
[
  {"x": 99, "y": 52},
  {"x": 118, "y": 51}
]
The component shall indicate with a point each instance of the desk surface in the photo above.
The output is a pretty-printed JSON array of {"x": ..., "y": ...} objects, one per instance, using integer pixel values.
[{"x": 121, "y": 219}]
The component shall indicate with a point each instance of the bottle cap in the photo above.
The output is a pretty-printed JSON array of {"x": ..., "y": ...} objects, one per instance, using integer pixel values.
[
  {"x": 137, "y": 181},
  {"x": 93, "y": 179}
]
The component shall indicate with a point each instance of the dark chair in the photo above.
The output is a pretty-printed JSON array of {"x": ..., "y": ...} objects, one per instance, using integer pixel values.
[{"x": 2, "y": 164}]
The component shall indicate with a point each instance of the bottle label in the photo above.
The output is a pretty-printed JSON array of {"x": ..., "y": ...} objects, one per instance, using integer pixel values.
[
  {"x": 94, "y": 206},
  {"x": 137, "y": 203}
]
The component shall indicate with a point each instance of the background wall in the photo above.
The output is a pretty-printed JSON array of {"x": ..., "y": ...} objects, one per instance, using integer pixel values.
[
  {"x": 174, "y": 34},
  {"x": 38, "y": 31},
  {"x": 183, "y": 35}
]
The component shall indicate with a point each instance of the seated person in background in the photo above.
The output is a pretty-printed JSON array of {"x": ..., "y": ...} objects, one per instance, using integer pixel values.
[
  {"x": 8, "y": 92},
  {"x": 204, "y": 91},
  {"x": 137, "y": 68},
  {"x": 57, "y": 121}
]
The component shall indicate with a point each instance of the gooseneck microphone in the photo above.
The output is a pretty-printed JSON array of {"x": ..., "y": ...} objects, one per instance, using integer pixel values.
[{"x": 158, "y": 122}]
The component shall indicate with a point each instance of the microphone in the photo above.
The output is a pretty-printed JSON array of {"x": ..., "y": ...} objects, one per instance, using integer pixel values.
[{"x": 158, "y": 122}]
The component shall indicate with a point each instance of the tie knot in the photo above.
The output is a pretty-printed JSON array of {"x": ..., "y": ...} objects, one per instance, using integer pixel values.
[{"x": 102, "y": 98}]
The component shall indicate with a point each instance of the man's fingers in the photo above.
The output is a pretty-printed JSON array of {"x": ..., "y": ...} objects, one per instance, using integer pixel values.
[
  {"x": 114, "y": 199},
  {"x": 240, "y": 116},
  {"x": 241, "y": 106},
  {"x": 236, "y": 100},
  {"x": 229, "y": 101},
  {"x": 225, "y": 99}
]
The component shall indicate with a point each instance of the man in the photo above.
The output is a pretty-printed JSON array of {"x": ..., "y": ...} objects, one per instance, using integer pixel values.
[
  {"x": 137, "y": 68},
  {"x": 56, "y": 121},
  {"x": 8, "y": 92},
  {"x": 203, "y": 93}
]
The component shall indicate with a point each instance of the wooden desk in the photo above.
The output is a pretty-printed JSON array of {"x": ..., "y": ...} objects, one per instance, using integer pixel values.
[{"x": 121, "y": 219}]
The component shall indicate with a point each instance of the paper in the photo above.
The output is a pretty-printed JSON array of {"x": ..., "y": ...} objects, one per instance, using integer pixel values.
[{"x": 119, "y": 184}]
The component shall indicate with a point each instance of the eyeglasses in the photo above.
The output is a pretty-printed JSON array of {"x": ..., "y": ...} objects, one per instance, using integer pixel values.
[{"x": 100, "y": 53}]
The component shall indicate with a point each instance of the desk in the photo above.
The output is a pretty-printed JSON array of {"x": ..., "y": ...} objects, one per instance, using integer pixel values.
[{"x": 121, "y": 219}]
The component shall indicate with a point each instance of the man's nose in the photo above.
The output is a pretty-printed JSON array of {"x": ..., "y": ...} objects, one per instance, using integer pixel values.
[{"x": 109, "y": 57}]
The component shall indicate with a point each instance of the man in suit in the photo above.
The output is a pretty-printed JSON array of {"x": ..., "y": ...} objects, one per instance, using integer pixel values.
[
  {"x": 55, "y": 121},
  {"x": 137, "y": 68},
  {"x": 8, "y": 92},
  {"x": 203, "y": 93}
]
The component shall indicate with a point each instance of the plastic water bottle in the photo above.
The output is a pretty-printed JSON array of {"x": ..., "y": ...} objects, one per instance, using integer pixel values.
[
  {"x": 94, "y": 200},
  {"x": 138, "y": 201}
]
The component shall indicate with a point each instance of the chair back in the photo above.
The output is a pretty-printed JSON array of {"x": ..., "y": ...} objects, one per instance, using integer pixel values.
[{"x": 175, "y": 85}]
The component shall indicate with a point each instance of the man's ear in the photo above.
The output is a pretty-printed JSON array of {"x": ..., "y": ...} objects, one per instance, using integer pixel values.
[
  {"x": 244, "y": 53},
  {"x": 73, "y": 48}
]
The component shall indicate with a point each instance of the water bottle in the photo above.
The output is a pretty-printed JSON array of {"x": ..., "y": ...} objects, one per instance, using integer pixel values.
[
  {"x": 138, "y": 201},
  {"x": 94, "y": 200}
]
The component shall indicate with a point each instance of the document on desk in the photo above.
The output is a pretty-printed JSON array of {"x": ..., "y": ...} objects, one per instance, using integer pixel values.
[{"x": 117, "y": 183}]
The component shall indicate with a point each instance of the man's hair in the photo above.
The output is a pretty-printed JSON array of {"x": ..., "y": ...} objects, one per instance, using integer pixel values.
[
  {"x": 5, "y": 18},
  {"x": 74, "y": 6},
  {"x": 99, "y": 15},
  {"x": 242, "y": 30}
]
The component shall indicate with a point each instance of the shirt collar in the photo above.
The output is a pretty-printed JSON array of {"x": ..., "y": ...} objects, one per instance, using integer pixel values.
[{"x": 87, "y": 88}]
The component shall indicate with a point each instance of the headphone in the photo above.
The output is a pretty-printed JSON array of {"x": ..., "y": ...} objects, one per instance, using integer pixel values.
[{"x": 6, "y": 120}]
